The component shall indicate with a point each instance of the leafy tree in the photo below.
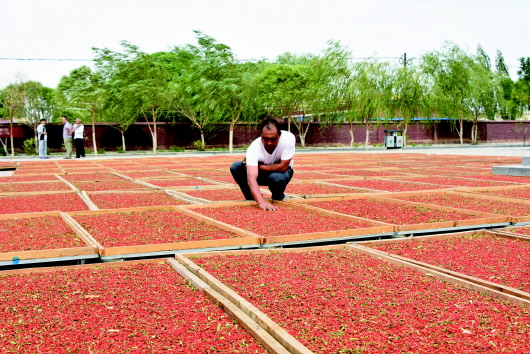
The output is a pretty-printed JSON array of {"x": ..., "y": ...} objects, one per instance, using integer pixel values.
[
  {"x": 39, "y": 104},
  {"x": 409, "y": 95},
  {"x": 284, "y": 91},
  {"x": 510, "y": 106},
  {"x": 451, "y": 72},
  {"x": 369, "y": 90},
  {"x": 139, "y": 81},
  {"x": 12, "y": 99},
  {"x": 238, "y": 92},
  {"x": 483, "y": 99},
  {"x": 204, "y": 76},
  {"x": 523, "y": 83},
  {"x": 120, "y": 111},
  {"x": 83, "y": 89}
]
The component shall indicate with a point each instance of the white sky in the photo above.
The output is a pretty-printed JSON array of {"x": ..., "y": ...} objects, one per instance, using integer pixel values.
[{"x": 253, "y": 29}]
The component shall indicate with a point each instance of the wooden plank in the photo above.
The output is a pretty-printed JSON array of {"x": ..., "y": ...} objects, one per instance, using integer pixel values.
[
  {"x": 256, "y": 331},
  {"x": 328, "y": 234},
  {"x": 50, "y": 253},
  {"x": 175, "y": 246},
  {"x": 72, "y": 187},
  {"x": 29, "y": 215},
  {"x": 284, "y": 338},
  {"x": 38, "y": 270},
  {"x": 79, "y": 229},
  {"x": 21, "y": 194},
  {"x": 86, "y": 199}
]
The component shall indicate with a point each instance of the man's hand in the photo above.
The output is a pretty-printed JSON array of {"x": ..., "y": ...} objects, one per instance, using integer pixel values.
[{"x": 267, "y": 206}]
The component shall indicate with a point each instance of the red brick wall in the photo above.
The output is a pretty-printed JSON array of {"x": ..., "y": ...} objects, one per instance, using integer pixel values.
[{"x": 138, "y": 137}]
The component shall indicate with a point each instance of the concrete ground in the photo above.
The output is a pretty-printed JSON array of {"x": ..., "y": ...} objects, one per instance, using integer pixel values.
[{"x": 446, "y": 149}]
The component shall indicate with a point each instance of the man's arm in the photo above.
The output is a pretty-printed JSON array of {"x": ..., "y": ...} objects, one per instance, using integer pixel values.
[
  {"x": 276, "y": 167},
  {"x": 252, "y": 180}
]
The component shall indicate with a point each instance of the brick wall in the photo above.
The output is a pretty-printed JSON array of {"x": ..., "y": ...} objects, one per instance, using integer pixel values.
[{"x": 138, "y": 136}]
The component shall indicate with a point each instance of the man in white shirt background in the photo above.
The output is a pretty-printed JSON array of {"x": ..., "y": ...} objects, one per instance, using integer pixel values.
[
  {"x": 268, "y": 162},
  {"x": 42, "y": 137}
]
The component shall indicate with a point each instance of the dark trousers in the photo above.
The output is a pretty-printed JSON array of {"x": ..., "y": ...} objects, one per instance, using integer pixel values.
[
  {"x": 276, "y": 181},
  {"x": 79, "y": 148}
]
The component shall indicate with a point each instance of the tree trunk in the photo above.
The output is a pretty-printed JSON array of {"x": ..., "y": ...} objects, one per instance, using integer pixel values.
[
  {"x": 302, "y": 139},
  {"x": 155, "y": 137},
  {"x": 288, "y": 123},
  {"x": 231, "y": 138},
  {"x": 123, "y": 141},
  {"x": 367, "y": 139},
  {"x": 474, "y": 131},
  {"x": 4, "y": 145},
  {"x": 36, "y": 140},
  {"x": 461, "y": 132},
  {"x": 11, "y": 138},
  {"x": 203, "y": 141},
  {"x": 94, "y": 144},
  {"x": 436, "y": 133},
  {"x": 352, "y": 137},
  {"x": 405, "y": 128}
]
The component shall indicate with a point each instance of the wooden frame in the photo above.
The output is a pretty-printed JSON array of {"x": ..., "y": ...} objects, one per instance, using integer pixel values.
[
  {"x": 375, "y": 227},
  {"x": 285, "y": 338},
  {"x": 482, "y": 218},
  {"x": 246, "y": 238},
  {"x": 89, "y": 249},
  {"x": 498, "y": 289},
  {"x": 513, "y": 219}
]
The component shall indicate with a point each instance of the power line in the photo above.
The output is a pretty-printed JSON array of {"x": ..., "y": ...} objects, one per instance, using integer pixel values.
[{"x": 46, "y": 59}]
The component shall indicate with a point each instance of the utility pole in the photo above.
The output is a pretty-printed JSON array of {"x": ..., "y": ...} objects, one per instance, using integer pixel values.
[{"x": 403, "y": 60}]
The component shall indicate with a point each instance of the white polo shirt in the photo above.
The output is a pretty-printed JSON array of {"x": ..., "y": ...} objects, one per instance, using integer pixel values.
[{"x": 284, "y": 151}]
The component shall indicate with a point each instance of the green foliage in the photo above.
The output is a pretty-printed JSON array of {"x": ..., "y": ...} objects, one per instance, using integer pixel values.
[
  {"x": 120, "y": 150},
  {"x": 197, "y": 145},
  {"x": 205, "y": 84},
  {"x": 176, "y": 149},
  {"x": 29, "y": 146},
  {"x": 101, "y": 151}
]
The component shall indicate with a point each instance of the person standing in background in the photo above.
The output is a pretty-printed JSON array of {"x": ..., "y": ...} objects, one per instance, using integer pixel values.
[
  {"x": 67, "y": 137},
  {"x": 79, "y": 138},
  {"x": 42, "y": 136}
]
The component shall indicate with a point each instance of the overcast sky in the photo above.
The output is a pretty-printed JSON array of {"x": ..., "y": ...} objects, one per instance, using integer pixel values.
[{"x": 68, "y": 29}]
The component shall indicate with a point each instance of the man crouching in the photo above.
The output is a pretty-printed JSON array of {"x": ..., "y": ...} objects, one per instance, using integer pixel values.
[{"x": 267, "y": 163}]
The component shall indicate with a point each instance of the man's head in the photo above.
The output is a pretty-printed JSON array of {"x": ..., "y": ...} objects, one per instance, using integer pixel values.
[
  {"x": 43, "y": 121},
  {"x": 63, "y": 118},
  {"x": 270, "y": 134},
  {"x": 78, "y": 121}
]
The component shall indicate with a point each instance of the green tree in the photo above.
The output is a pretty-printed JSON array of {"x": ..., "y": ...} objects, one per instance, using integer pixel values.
[
  {"x": 409, "y": 95},
  {"x": 485, "y": 98},
  {"x": 13, "y": 99},
  {"x": 523, "y": 83},
  {"x": 139, "y": 82},
  {"x": 238, "y": 92},
  {"x": 284, "y": 89},
  {"x": 451, "y": 72},
  {"x": 369, "y": 90},
  {"x": 510, "y": 107},
  {"x": 39, "y": 104},
  {"x": 83, "y": 89},
  {"x": 204, "y": 76}
]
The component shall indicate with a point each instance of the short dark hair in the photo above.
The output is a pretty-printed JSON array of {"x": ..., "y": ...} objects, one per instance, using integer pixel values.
[
  {"x": 269, "y": 123},
  {"x": 43, "y": 120}
]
